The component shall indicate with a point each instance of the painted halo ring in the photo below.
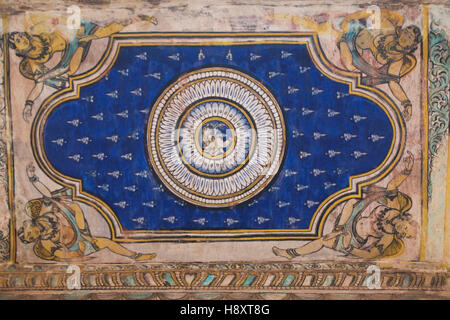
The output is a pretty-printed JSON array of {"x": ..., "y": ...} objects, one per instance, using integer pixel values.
[{"x": 216, "y": 137}]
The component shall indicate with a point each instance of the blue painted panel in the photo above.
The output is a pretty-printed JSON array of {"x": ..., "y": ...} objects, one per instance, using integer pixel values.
[{"x": 340, "y": 125}]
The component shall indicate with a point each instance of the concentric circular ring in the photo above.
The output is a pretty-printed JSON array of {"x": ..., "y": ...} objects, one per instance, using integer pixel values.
[{"x": 216, "y": 137}]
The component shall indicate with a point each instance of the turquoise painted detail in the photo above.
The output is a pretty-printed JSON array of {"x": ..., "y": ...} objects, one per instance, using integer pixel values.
[
  {"x": 130, "y": 281},
  {"x": 208, "y": 280},
  {"x": 168, "y": 279},
  {"x": 438, "y": 88},
  {"x": 288, "y": 280},
  {"x": 249, "y": 280}
]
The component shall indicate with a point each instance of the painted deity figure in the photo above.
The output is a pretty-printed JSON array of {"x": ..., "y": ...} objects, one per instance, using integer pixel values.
[
  {"x": 214, "y": 141},
  {"x": 59, "y": 229},
  {"x": 371, "y": 227},
  {"x": 383, "y": 53},
  {"x": 46, "y": 37}
]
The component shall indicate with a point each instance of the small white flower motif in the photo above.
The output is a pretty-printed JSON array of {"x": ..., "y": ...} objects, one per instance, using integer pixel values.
[
  {"x": 306, "y": 111},
  {"x": 113, "y": 138},
  {"x": 287, "y": 109},
  {"x": 142, "y": 174},
  {"x": 293, "y": 220},
  {"x": 318, "y": 135},
  {"x": 374, "y": 137},
  {"x": 98, "y": 116},
  {"x": 296, "y": 133},
  {"x": 332, "y": 153},
  {"x": 175, "y": 57},
  {"x": 104, "y": 187},
  {"x": 310, "y": 203},
  {"x": 132, "y": 188},
  {"x": 303, "y": 69},
  {"x": 139, "y": 220},
  {"x": 332, "y": 113},
  {"x": 273, "y": 188},
  {"x": 340, "y": 171},
  {"x": 124, "y": 72},
  {"x": 158, "y": 188},
  {"x": 292, "y": 90},
  {"x": 328, "y": 185},
  {"x": 150, "y": 204},
  {"x": 358, "y": 154},
  {"x": 288, "y": 173},
  {"x": 60, "y": 142},
  {"x": 180, "y": 203},
  {"x": 274, "y": 74},
  {"x": 200, "y": 221},
  {"x": 84, "y": 140},
  {"x": 357, "y": 118},
  {"x": 316, "y": 91},
  {"x": 74, "y": 122},
  {"x": 285, "y": 54},
  {"x": 170, "y": 219},
  {"x": 303, "y": 154},
  {"x": 123, "y": 114},
  {"x": 201, "y": 55},
  {"x": 137, "y": 92},
  {"x": 93, "y": 174},
  {"x": 142, "y": 56},
  {"x": 128, "y": 156},
  {"x": 251, "y": 204},
  {"x": 261, "y": 220},
  {"x": 100, "y": 156},
  {"x": 282, "y": 204},
  {"x": 115, "y": 174},
  {"x": 230, "y": 221},
  {"x": 317, "y": 172},
  {"x": 113, "y": 94},
  {"x": 121, "y": 204},
  {"x": 300, "y": 187},
  {"x": 155, "y": 75},
  {"x": 75, "y": 157},
  {"x": 229, "y": 56},
  {"x": 88, "y": 99},
  {"x": 348, "y": 136},
  {"x": 134, "y": 135},
  {"x": 341, "y": 95},
  {"x": 253, "y": 57}
]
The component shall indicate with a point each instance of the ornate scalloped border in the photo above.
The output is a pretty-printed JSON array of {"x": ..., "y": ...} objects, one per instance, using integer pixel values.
[{"x": 223, "y": 277}]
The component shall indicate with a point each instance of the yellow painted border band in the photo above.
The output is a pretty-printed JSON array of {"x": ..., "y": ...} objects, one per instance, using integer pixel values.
[{"x": 424, "y": 224}]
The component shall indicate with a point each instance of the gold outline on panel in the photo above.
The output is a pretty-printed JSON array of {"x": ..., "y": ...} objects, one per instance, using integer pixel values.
[
  {"x": 424, "y": 224},
  {"x": 325, "y": 62}
]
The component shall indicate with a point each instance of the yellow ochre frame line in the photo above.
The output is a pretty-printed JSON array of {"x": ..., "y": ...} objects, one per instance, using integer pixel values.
[
  {"x": 424, "y": 63},
  {"x": 314, "y": 38}
]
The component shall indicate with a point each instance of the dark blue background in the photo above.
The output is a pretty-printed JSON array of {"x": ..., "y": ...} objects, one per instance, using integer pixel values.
[{"x": 246, "y": 214}]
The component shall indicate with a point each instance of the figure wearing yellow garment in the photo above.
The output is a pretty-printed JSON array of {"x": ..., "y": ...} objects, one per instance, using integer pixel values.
[
  {"x": 45, "y": 37},
  {"x": 391, "y": 45},
  {"x": 60, "y": 231},
  {"x": 371, "y": 227}
]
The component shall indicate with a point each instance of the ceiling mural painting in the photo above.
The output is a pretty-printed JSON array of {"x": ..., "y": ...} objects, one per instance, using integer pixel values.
[{"x": 301, "y": 142}]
